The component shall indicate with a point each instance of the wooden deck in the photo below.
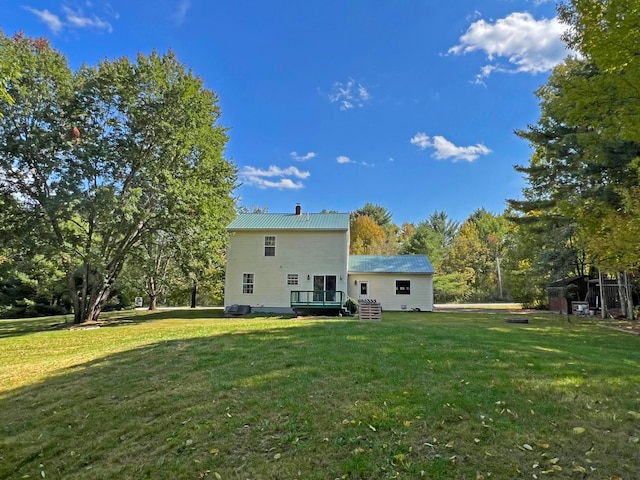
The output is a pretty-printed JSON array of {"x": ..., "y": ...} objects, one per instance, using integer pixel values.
[{"x": 318, "y": 302}]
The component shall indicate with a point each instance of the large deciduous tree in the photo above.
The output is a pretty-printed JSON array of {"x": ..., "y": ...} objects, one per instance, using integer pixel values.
[
  {"x": 607, "y": 34},
  {"x": 106, "y": 157},
  {"x": 367, "y": 237}
]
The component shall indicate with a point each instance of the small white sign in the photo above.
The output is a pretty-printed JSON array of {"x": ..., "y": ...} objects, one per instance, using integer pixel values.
[{"x": 138, "y": 301}]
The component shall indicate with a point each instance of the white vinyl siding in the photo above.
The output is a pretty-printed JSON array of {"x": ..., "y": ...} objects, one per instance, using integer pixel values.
[
  {"x": 309, "y": 253},
  {"x": 382, "y": 288}
]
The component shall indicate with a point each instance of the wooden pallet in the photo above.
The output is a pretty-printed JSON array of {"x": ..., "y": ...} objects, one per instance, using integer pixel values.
[{"x": 369, "y": 311}]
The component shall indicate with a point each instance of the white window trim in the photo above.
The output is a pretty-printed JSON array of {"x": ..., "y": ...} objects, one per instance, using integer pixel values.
[
  {"x": 253, "y": 283},
  {"x": 274, "y": 246}
]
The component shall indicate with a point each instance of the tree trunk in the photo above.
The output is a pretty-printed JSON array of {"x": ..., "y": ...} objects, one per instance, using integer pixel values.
[
  {"x": 499, "y": 277},
  {"x": 153, "y": 302},
  {"x": 603, "y": 300},
  {"x": 622, "y": 294},
  {"x": 194, "y": 291},
  {"x": 630, "y": 313},
  {"x": 153, "y": 293},
  {"x": 75, "y": 299}
]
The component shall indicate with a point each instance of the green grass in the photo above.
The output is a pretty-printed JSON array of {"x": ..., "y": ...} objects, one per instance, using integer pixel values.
[{"x": 185, "y": 395}]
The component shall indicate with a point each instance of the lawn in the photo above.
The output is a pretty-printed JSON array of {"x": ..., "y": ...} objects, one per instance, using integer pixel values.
[{"x": 187, "y": 395}]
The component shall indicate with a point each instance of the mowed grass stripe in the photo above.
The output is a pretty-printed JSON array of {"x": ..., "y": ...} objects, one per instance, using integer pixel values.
[{"x": 183, "y": 394}]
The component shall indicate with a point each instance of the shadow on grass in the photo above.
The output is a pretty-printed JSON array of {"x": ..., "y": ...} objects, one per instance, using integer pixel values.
[{"x": 26, "y": 326}]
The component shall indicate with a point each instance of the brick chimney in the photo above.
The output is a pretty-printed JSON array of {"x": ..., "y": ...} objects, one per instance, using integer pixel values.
[{"x": 298, "y": 209}]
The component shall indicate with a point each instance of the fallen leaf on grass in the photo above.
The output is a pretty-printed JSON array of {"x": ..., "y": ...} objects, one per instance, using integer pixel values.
[
  {"x": 635, "y": 415},
  {"x": 578, "y": 430},
  {"x": 277, "y": 456}
]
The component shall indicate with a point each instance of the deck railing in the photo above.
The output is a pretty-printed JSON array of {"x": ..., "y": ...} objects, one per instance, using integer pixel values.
[{"x": 317, "y": 298}]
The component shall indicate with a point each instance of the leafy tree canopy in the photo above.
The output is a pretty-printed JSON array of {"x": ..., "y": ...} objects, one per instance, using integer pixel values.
[
  {"x": 377, "y": 213},
  {"x": 106, "y": 156}
]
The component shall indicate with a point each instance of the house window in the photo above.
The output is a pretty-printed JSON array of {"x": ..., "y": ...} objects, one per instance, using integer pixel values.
[
  {"x": 269, "y": 246},
  {"x": 403, "y": 287},
  {"x": 247, "y": 283},
  {"x": 292, "y": 279}
]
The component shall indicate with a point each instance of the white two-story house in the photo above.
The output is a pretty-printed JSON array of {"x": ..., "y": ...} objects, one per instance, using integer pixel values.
[{"x": 281, "y": 262}]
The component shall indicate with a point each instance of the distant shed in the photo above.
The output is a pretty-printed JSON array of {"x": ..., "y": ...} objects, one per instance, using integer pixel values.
[{"x": 567, "y": 290}]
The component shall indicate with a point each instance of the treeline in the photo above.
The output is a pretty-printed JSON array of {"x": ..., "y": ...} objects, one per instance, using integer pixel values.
[{"x": 475, "y": 261}]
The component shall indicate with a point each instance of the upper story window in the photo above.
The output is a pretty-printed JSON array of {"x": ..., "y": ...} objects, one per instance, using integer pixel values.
[
  {"x": 269, "y": 246},
  {"x": 403, "y": 287}
]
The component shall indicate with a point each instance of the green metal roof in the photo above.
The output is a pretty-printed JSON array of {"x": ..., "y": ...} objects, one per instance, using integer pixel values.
[
  {"x": 288, "y": 221},
  {"x": 389, "y": 264}
]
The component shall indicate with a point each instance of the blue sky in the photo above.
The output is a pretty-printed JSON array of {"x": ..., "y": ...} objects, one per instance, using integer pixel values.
[{"x": 408, "y": 104}]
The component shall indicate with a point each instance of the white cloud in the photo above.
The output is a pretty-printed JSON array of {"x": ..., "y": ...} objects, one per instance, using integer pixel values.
[
  {"x": 182, "y": 10},
  {"x": 444, "y": 149},
  {"x": 50, "y": 19},
  {"x": 72, "y": 19},
  {"x": 349, "y": 95},
  {"x": 303, "y": 158},
  {"x": 528, "y": 45},
  {"x": 363, "y": 93},
  {"x": 344, "y": 159},
  {"x": 261, "y": 178},
  {"x": 78, "y": 20},
  {"x": 421, "y": 140}
]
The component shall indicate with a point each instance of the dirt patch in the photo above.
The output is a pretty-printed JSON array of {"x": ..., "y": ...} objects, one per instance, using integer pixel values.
[{"x": 626, "y": 326}]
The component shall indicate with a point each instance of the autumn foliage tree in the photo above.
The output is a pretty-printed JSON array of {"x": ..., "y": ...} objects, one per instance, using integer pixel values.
[{"x": 367, "y": 237}]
